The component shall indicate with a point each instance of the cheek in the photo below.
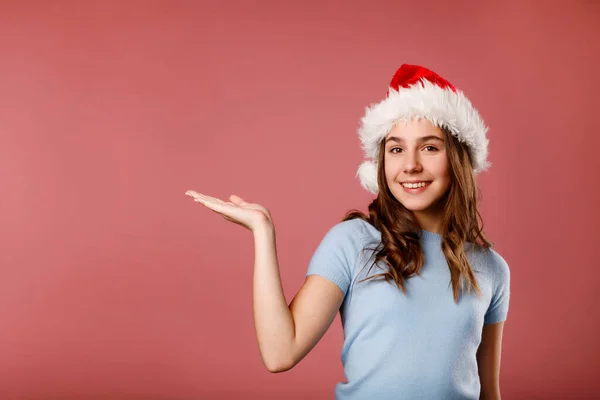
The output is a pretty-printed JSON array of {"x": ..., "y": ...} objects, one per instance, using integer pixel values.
[
  {"x": 442, "y": 173},
  {"x": 441, "y": 168},
  {"x": 390, "y": 171}
]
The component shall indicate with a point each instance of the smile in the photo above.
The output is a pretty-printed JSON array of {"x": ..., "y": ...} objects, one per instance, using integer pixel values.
[{"x": 415, "y": 185}]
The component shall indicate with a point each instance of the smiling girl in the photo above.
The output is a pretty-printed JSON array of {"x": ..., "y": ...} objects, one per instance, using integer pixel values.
[{"x": 422, "y": 296}]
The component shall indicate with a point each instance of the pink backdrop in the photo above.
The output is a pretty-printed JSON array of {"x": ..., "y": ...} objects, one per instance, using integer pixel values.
[{"x": 114, "y": 285}]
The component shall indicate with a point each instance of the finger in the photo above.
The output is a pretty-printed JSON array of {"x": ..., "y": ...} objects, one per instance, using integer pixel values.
[
  {"x": 211, "y": 204},
  {"x": 195, "y": 195},
  {"x": 192, "y": 193},
  {"x": 208, "y": 198},
  {"x": 219, "y": 206}
]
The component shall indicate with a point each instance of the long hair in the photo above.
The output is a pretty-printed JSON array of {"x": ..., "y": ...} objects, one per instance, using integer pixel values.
[{"x": 400, "y": 247}]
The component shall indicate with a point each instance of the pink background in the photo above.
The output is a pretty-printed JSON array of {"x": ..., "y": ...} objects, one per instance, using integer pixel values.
[{"x": 114, "y": 285}]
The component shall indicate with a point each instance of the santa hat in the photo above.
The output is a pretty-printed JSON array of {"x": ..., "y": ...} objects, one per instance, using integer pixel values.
[{"x": 417, "y": 92}]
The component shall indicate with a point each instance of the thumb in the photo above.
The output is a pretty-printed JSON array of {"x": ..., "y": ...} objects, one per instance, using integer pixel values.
[{"x": 237, "y": 200}]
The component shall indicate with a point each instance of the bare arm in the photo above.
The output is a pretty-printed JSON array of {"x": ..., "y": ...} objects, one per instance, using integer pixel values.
[
  {"x": 488, "y": 361},
  {"x": 285, "y": 333}
]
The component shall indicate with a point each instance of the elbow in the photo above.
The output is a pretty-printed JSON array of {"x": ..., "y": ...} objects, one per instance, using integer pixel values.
[
  {"x": 278, "y": 365},
  {"x": 491, "y": 395},
  {"x": 275, "y": 369}
]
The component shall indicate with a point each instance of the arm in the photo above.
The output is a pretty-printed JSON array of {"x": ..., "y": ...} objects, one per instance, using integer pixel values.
[
  {"x": 286, "y": 334},
  {"x": 488, "y": 361}
]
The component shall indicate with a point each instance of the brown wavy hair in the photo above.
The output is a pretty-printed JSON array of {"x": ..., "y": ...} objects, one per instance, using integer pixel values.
[{"x": 400, "y": 247}]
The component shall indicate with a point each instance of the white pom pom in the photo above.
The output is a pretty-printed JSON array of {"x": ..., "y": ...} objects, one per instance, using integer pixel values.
[{"x": 367, "y": 173}]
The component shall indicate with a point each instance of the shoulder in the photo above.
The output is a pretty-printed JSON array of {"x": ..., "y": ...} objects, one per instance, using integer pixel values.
[
  {"x": 339, "y": 251},
  {"x": 490, "y": 261},
  {"x": 351, "y": 235},
  {"x": 354, "y": 230},
  {"x": 498, "y": 263}
]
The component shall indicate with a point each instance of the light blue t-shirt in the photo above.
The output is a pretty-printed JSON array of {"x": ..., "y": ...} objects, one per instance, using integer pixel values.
[{"x": 419, "y": 345}]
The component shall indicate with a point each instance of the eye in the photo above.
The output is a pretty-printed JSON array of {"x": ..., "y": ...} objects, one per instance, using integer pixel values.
[
  {"x": 393, "y": 150},
  {"x": 430, "y": 148}
]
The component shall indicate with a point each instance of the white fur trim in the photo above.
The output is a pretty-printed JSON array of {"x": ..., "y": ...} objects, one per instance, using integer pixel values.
[
  {"x": 367, "y": 173},
  {"x": 442, "y": 107}
]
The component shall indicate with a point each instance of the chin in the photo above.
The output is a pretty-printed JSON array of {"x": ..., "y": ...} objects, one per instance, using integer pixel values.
[
  {"x": 417, "y": 207},
  {"x": 416, "y": 204}
]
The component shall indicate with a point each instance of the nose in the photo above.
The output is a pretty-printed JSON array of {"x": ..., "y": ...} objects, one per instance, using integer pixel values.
[{"x": 412, "y": 163}]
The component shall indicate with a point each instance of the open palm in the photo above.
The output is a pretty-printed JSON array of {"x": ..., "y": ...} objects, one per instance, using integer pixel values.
[{"x": 249, "y": 215}]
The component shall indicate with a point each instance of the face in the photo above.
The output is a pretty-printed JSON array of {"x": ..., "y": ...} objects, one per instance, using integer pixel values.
[{"x": 417, "y": 167}]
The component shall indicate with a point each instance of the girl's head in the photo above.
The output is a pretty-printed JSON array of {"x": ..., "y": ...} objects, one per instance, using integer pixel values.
[
  {"x": 417, "y": 95},
  {"x": 424, "y": 144}
]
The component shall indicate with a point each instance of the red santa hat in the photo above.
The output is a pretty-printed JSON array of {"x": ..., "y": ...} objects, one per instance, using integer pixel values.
[{"x": 417, "y": 92}]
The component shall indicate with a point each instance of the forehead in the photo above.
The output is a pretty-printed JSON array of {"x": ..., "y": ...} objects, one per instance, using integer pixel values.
[{"x": 414, "y": 129}]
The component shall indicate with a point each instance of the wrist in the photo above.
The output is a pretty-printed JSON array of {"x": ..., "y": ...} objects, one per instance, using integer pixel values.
[{"x": 263, "y": 229}]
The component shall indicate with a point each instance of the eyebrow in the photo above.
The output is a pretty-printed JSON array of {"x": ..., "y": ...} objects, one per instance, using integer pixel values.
[{"x": 420, "y": 140}]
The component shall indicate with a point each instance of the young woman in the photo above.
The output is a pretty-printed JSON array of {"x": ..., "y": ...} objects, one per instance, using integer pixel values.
[{"x": 422, "y": 296}]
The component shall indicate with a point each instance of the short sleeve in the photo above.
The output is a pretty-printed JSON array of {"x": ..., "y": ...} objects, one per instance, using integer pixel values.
[
  {"x": 336, "y": 255},
  {"x": 498, "y": 308}
]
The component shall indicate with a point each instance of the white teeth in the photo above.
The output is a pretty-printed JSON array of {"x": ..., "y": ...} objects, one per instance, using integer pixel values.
[{"x": 414, "y": 185}]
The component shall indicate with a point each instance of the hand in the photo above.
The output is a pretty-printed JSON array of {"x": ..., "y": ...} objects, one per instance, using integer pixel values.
[{"x": 249, "y": 215}]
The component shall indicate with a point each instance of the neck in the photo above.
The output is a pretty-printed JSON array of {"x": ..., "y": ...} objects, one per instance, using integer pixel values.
[
  {"x": 431, "y": 218},
  {"x": 429, "y": 221}
]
